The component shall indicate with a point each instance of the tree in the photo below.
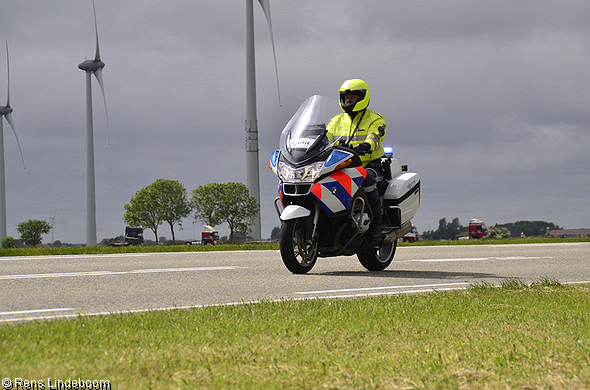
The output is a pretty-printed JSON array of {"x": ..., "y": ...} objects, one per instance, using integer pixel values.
[
  {"x": 32, "y": 230},
  {"x": 446, "y": 230},
  {"x": 174, "y": 202},
  {"x": 142, "y": 210},
  {"x": 216, "y": 203},
  {"x": 535, "y": 228},
  {"x": 162, "y": 201}
]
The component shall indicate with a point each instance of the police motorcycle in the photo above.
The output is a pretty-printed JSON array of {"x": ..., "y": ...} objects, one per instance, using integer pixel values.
[{"x": 324, "y": 212}]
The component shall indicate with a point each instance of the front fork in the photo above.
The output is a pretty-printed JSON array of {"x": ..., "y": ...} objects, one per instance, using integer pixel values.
[
  {"x": 316, "y": 216},
  {"x": 296, "y": 211}
]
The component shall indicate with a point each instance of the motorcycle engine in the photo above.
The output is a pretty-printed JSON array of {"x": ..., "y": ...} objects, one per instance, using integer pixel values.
[{"x": 363, "y": 221}]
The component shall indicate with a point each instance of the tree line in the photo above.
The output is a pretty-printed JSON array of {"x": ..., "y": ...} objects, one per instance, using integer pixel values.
[
  {"x": 450, "y": 230},
  {"x": 167, "y": 202}
]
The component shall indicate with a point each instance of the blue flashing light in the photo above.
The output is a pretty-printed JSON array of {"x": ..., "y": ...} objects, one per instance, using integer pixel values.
[
  {"x": 274, "y": 158},
  {"x": 388, "y": 151}
]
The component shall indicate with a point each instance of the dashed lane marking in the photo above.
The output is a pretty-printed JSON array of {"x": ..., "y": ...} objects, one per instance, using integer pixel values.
[{"x": 109, "y": 273}]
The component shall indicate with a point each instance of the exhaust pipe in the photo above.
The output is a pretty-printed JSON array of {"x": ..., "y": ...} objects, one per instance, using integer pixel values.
[{"x": 396, "y": 233}]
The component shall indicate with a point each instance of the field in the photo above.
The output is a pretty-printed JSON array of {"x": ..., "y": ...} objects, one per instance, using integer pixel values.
[{"x": 516, "y": 336}]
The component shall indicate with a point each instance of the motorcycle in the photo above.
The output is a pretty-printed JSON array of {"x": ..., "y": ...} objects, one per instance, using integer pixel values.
[{"x": 323, "y": 209}]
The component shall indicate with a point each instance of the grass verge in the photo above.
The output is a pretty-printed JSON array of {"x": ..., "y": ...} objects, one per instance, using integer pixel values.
[
  {"x": 90, "y": 250},
  {"x": 518, "y": 336}
]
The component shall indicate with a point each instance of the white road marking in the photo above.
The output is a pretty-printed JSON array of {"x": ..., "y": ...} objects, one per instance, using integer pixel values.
[
  {"x": 36, "y": 311},
  {"x": 374, "y": 294},
  {"x": 115, "y": 255},
  {"x": 473, "y": 259},
  {"x": 421, "y": 286},
  {"x": 107, "y": 273},
  {"x": 63, "y": 257}
]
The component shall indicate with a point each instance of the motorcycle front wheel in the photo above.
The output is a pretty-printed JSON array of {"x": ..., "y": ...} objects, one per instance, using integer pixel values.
[
  {"x": 298, "y": 249},
  {"x": 377, "y": 259}
]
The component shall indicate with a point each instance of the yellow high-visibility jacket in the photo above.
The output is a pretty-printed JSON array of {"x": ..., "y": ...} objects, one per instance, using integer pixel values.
[{"x": 371, "y": 129}]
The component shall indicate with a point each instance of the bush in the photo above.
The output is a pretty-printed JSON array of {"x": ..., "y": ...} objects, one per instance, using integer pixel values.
[
  {"x": 494, "y": 232},
  {"x": 8, "y": 242}
]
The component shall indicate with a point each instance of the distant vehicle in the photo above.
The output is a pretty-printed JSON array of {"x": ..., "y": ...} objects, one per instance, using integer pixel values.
[
  {"x": 477, "y": 228},
  {"x": 133, "y": 236},
  {"x": 412, "y": 235},
  {"x": 209, "y": 236}
]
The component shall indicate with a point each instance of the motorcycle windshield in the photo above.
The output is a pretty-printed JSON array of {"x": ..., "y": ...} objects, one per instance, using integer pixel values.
[{"x": 305, "y": 135}]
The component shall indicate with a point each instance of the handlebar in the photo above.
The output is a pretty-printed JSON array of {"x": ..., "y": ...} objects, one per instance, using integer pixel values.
[{"x": 355, "y": 149}]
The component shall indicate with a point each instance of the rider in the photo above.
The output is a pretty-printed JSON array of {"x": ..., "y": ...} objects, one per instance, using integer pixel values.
[{"x": 364, "y": 130}]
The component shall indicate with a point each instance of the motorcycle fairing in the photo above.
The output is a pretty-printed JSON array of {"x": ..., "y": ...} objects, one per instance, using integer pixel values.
[
  {"x": 280, "y": 190},
  {"x": 335, "y": 191}
]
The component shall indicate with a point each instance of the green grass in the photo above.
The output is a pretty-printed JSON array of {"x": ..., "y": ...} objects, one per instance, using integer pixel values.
[
  {"x": 517, "y": 337},
  {"x": 85, "y": 250}
]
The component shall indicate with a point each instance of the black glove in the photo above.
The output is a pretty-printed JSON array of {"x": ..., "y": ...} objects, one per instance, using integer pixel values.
[{"x": 363, "y": 148}]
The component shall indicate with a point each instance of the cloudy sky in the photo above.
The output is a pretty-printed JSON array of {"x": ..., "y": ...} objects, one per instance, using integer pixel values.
[{"x": 489, "y": 101}]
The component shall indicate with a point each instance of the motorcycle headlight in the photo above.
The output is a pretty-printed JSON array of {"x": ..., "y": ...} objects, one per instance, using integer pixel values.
[{"x": 307, "y": 173}]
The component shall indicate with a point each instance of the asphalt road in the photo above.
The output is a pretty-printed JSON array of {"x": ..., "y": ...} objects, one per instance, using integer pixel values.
[{"x": 66, "y": 286}]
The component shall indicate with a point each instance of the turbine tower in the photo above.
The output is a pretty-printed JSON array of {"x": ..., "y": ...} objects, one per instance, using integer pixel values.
[
  {"x": 52, "y": 217},
  {"x": 6, "y": 112},
  {"x": 92, "y": 67},
  {"x": 252, "y": 161}
]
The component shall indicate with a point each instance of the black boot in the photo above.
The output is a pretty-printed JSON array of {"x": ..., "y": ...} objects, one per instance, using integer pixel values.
[{"x": 374, "y": 235}]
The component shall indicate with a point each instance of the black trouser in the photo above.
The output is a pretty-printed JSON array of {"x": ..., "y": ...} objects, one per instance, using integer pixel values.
[{"x": 371, "y": 183}]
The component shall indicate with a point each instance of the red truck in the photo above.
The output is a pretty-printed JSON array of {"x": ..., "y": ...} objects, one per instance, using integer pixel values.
[
  {"x": 209, "y": 236},
  {"x": 477, "y": 229}
]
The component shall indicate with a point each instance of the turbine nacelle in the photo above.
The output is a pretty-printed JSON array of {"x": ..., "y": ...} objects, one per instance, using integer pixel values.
[
  {"x": 5, "y": 110},
  {"x": 91, "y": 65}
]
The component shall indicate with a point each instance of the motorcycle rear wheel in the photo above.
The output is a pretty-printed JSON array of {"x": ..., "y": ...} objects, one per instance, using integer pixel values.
[
  {"x": 377, "y": 259},
  {"x": 298, "y": 249}
]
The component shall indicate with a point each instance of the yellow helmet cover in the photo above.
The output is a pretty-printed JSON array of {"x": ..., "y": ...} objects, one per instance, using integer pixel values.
[{"x": 356, "y": 87}]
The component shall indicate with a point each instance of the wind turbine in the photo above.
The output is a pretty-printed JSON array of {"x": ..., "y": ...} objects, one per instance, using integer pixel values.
[
  {"x": 252, "y": 161},
  {"x": 52, "y": 217},
  {"x": 6, "y": 111},
  {"x": 92, "y": 67}
]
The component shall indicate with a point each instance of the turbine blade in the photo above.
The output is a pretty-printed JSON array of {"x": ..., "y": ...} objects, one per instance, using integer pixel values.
[
  {"x": 97, "y": 56},
  {"x": 266, "y": 8},
  {"x": 11, "y": 123},
  {"x": 98, "y": 75},
  {"x": 8, "y": 68}
]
